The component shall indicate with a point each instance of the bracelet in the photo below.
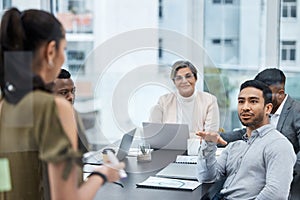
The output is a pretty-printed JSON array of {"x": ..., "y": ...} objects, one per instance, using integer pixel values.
[{"x": 99, "y": 174}]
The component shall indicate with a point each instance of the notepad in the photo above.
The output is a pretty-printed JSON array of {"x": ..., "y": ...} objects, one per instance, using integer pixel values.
[
  {"x": 5, "y": 183},
  {"x": 186, "y": 159},
  {"x": 168, "y": 183},
  {"x": 180, "y": 171}
]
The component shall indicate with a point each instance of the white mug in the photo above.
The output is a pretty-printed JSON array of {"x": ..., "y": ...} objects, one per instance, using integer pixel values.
[{"x": 193, "y": 145}]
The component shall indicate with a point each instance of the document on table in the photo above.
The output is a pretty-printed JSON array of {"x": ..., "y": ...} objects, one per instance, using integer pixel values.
[
  {"x": 5, "y": 182},
  {"x": 186, "y": 159},
  {"x": 169, "y": 183}
]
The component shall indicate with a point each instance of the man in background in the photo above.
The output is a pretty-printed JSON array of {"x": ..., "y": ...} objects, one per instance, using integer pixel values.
[{"x": 65, "y": 87}]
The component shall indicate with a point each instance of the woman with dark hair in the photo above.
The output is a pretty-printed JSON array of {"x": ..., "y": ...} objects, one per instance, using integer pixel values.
[
  {"x": 37, "y": 129},
  {"x": 187, "y": 105}
]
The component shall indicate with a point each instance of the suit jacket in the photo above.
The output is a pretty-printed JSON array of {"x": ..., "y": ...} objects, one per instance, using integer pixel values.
[{"x": 288, "y": 125}]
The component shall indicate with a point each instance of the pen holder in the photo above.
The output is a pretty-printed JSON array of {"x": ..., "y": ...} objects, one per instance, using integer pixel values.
[{"x": 144, "y": 153}]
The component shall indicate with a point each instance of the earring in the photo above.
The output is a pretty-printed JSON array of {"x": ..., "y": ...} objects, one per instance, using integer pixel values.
[{"x": 50, "y": 63}]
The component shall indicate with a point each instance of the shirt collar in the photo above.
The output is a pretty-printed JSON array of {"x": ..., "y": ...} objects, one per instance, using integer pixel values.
[
  {"x": 186, "y": 99},
  {"x": 261, "y": 131},
  {"x": 278, "y": 111}
]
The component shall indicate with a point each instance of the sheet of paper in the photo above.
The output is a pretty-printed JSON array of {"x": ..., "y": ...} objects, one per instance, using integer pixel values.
[
  {"x": 158, "y": 182},
  {"x": 5, "y": 182},
  {"x": 186, "y": 159}
]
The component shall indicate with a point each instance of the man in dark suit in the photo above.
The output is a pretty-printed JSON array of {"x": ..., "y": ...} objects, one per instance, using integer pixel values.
[{"x": 285, "y": 116}]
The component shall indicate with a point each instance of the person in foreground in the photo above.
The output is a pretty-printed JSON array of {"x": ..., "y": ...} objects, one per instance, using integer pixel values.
[
  {"x": 37, "y": 129},
  {"x": 197, "y": 109},
  {"x": 258, "y": 167}
]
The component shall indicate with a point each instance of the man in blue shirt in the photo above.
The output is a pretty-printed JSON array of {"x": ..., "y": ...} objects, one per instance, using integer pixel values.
[
  {"x": 285, "y": 116},
  {"x": 261, "y": 165}
]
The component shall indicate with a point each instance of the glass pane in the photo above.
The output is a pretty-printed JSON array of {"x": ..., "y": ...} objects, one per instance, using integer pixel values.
[
  {"x": 228, "y": 1},
  {"x": 75, "y": 15},
  {"x": 216, "y": 41},
  {"x": 293, "y": 11},
  {"x": 284, "y": 11},
  {"x": 216, "y": 1},
  {"x": 289, "y": 1},
  {"x": 283, "y": 55},
  {"x": 293, "y": 54},
  {"x": 22, "y": 5}
]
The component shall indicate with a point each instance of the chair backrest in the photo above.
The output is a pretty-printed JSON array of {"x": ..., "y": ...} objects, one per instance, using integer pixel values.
[
  {"x": 88, "y": 119},
  {"x": 213, "y": 192}
]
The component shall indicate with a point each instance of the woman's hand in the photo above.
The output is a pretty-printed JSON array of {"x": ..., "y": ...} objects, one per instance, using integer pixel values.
[
  {"x": 111, "y": 171},
  {"x": 211, "y": 137}
]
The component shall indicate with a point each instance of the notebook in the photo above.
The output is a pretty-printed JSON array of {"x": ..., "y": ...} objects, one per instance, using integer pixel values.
[
  {"x": 168, "y": 183},
  {"x": 166, "y": 136},
  {"x": 5, "y": 180},
  {"x": 95, "y": 158},
  {"x": 186, "y": 159},
  {"x": 180, "y": 171}
]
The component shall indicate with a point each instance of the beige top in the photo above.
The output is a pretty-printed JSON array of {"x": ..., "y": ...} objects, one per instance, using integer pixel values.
[
  {"x": 205, "y": 115},
  {"x": 31, "y": 135}
]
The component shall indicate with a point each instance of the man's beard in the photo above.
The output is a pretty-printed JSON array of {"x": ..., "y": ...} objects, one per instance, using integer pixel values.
[{"x": 254, "y": 122}]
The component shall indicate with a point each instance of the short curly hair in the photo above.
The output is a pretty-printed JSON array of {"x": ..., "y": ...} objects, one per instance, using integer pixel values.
[{"x": 64, "y": 74}]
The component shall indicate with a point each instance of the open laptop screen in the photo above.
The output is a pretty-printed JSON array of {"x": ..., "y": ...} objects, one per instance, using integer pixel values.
[
  {"x": 125, "y": 144},
  {"x": 122, "y": 149},
  {"x": 166, "y": 135}
]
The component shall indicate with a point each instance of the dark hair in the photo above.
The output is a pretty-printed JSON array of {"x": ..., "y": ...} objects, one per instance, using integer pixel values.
[
  {"x": 25, "y": 32},
  {"x": 267, "y": 93},
  {"x": 183, "y": 64},
  {"x": 271, "y": 76},
  {"x": 64, "y": 74}
]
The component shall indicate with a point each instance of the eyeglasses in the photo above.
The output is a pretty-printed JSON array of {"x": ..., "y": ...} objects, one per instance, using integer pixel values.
[{"x": 188, "y": 76}]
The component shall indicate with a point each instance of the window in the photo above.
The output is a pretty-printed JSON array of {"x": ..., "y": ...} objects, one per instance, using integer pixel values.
[
  {"x": 228, "y": 1},
  {"x": 223, "y": 1},
  {"x": 160, "y": 9},
  {"x": 75, "y": 59},
  {"x": 289, "y": 9},
  {"x": 225, "y": 42},
  {"x": 75, "y": 15},
  {"x": 6, "y": 4},
  {"x": 228, "y": 42},
  {"x": 216, "y": 1},
  {"x": 216, "y": 41},
  {"x": 160, "y": 50},
  {"x": 288, "y": 50}
]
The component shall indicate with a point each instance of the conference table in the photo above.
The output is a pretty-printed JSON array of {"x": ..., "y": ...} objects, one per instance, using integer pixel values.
[{"x": 140, "y": 171}]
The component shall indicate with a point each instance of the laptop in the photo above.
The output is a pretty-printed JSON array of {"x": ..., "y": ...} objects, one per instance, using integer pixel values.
[
  {"x": 125, "y": 144},
  {"x": 180, "y": 171},
  {"x": 95, "y": 158},
  {"x": 166, "y": 135}
]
